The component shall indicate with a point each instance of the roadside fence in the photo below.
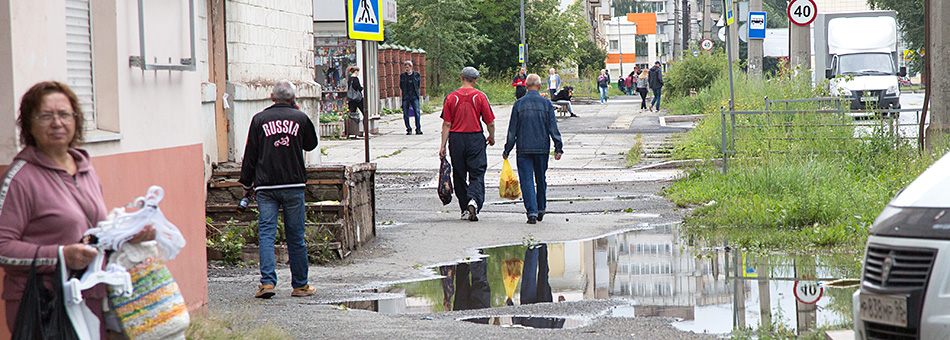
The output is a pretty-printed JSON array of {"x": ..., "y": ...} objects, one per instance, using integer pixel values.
[{"x": 812, "y": 126}]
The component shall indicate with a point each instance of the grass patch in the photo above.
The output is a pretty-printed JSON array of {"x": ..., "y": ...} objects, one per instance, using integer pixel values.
[
  {"x": 633, "y": 155},
  {"x": 232, "y": 326},
  {"x": 392, "y": 154},
  {"x": 801, "y": 181}
]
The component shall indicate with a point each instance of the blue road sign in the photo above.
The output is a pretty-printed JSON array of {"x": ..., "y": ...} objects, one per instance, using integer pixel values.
[
  {"x": 756, "y": 25},
  {"x": 364, "y": 20}
]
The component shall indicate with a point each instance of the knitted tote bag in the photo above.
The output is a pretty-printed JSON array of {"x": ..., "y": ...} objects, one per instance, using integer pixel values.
[{"x": 156, "y": 309}]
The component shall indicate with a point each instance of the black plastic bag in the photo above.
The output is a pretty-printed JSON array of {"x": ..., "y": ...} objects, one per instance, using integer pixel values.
[
  {"x": 445, "y": 182},
  {"x": 42, "y": 313}
]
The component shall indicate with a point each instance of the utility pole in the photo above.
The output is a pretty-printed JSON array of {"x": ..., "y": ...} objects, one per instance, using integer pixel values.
[
  {"x": 708, "y": 24},
  {"x": 937, "y": 85},
  {"x": 734, "y": 33},
  {"x": 525, "y": 63},
  {"x": 755, "y": 45},
  {"x": 686, "y": 25},
  {"x": 677, "y": 33},
  {"x": 620, "y": 42},
  {"x": 707, "y": 21},
  {"x": 799, "y": 46}
]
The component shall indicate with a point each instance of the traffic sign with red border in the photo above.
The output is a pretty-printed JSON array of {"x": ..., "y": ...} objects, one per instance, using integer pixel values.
[
  {"x": 808, "y": 292},
  {"x": 706, "y": 44},
  {"x": 802, "y": 12}
]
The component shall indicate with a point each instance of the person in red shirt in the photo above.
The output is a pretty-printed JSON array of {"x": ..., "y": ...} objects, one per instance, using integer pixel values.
[{"x": 462, "y": 130}]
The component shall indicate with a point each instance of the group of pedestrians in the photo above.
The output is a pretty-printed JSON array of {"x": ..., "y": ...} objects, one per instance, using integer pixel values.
[
  {"x": 531, "y": 128},
  {"x": 642, "y": 80},
  {"x": 410, "y": 82}
]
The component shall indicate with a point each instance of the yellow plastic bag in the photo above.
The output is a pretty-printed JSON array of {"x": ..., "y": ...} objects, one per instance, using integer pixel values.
[
  {"x": 508, "y": 187},
  {"x": 510, "y": 274}
]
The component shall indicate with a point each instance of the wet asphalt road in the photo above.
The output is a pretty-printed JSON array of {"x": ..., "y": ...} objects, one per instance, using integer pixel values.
[{"x": 418, "y": 232}]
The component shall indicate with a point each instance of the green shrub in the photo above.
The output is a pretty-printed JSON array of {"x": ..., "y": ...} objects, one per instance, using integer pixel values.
[
  {"x": 696, "y": 73},
  {"x": 330, "y": 118}
]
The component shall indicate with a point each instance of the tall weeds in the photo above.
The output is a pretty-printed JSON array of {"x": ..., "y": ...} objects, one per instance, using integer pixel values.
[{"x": 814, "y": 178}]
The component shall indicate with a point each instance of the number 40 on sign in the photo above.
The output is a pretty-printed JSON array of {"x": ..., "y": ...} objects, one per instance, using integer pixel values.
[
  {"x": 802, "y": 12},
  {"x": 808, "y": 292}
]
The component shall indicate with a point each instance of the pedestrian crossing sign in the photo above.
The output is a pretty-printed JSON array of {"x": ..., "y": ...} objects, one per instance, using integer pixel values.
[{"x": 363, "y": 20}]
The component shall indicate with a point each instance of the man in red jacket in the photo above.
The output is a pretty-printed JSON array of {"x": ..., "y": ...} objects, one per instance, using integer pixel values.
[{"x": 462, "y": 129}]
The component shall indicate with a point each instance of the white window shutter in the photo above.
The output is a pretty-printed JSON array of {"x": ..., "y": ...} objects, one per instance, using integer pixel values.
[{"x": 79, "y": 57}]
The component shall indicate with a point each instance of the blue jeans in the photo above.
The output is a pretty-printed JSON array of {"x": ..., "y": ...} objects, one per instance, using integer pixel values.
[
  {"x": 534, "y": 277},
  {"x": 603, "y": 94},
  {"x": 405, "y": 113},
  {"x": 656, "y": 98},
  {"x": 269, "y": 203},
  {"x": 531, "y": 169}
]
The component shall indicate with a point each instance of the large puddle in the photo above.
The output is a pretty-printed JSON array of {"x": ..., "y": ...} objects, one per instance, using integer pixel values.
[{"x": 707, "y": 288}]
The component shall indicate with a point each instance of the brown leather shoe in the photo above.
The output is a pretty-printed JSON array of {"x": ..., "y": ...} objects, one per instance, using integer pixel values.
[
  {"x": 265, "y": 292},
  {"x": 303, "y": 291}
]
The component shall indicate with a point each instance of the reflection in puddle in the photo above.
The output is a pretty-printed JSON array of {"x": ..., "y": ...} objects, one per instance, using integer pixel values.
[
  {"x": 528, "y": 322},
  {"x": 660, "y": 271}
]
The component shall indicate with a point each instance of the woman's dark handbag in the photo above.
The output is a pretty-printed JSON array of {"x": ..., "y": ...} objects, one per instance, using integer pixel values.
[
  {"x": 445, "y": 182},
  {"x": 42, "y": 313},
  {"x": 353, "y": 95}
]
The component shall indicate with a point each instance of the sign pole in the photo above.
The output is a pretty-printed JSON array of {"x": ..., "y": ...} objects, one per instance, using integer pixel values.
[
  {"x": 524, "y": 62},
  {"x": 364, "y": 22},
  {"x": 729, "y": 37},
  {"x": 366, "y": 64}
]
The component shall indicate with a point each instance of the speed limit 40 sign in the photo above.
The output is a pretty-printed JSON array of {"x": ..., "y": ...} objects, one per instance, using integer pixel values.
[
  {"x": 802, "y": 12},
  {"x": 706, "y": 44},
  {"x": 808, "y": 292}
]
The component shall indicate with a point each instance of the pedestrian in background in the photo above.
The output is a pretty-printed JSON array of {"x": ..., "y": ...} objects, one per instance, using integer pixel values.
[
  {"x": 532, "y": 127},
  {"x": 353, "y": 83},
  {"x": 603, "y": 82},
  {"x": 621, "y": 84},
  {"x": 273, "y": 170},
  {"x": 563, "y": 97},
  {"x": 409, "y": 83},
  {"x": 462, "y": 130},
  {"x": 629, "y": 83},
  {"x": 642, "y": 83},
  {"x": 518, "y": 83},
  {"x": 554, "y": 82},
  {"x": 656, "y": 83}
]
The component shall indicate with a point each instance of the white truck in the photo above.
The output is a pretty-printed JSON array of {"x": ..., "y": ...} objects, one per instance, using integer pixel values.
[{"x": 862, "y": 60}]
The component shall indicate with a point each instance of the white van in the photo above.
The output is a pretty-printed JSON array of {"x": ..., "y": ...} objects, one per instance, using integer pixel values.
[
  {"x": 905, "y": 283},
  {"x": 864, "y": 61}
]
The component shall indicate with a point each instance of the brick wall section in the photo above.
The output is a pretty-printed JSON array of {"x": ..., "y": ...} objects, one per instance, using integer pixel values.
[{"x": 270, "y": 40}]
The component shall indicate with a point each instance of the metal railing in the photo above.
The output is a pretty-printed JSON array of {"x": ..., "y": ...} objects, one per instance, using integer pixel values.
[{"x": 784, "y": 124}]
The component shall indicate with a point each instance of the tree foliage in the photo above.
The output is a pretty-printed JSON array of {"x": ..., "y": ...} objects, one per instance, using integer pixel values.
[
  {"x": 486, "y": 34},
  {"x": 443, "y": 28},
  {"x": 910, "y": 16},
  {"x": 694, "y": 73}
]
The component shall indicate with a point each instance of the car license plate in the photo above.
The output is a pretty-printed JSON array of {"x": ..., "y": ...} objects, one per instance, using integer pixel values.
[
  {"x": 885, "y": 309},
  {"x": 869, "y": 99}
]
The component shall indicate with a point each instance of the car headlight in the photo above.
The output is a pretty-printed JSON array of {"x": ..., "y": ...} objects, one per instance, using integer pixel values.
[{"x": 892, "y": 89}]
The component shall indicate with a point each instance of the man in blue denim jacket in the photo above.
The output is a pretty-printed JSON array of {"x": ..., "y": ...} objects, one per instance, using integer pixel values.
[{"x": 531, "y": 128}]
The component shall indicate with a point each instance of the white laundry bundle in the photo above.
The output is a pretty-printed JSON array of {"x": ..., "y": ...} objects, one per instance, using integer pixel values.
[{"x": 152, "y": 308}]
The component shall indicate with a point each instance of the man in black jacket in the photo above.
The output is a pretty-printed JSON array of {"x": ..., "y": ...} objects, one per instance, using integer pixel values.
[
  {"x": 409, "y": 83},
  {"x": 655, "y": 79},
  {"x": 273, "y": 167}
]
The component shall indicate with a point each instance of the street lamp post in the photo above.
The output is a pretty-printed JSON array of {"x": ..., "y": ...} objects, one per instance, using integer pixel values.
[{"x": 620, "y": 44}]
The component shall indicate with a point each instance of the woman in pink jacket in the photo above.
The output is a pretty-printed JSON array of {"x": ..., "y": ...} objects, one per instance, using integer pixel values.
[{"x": 49, "y": 196}]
